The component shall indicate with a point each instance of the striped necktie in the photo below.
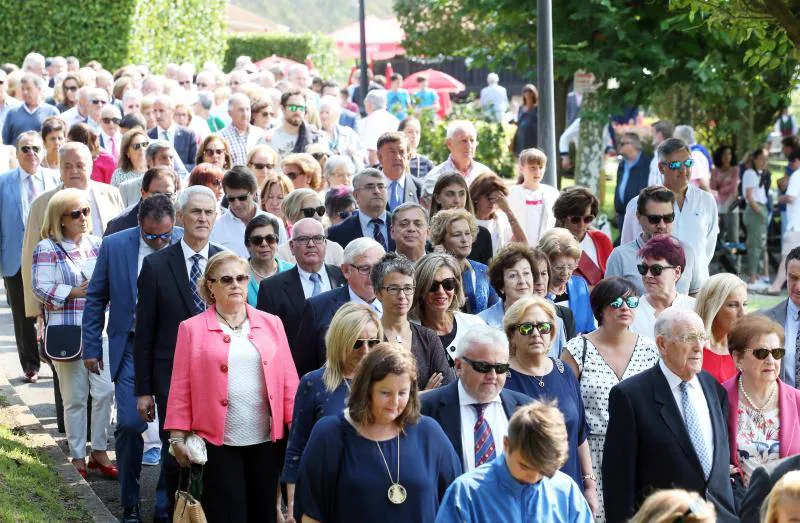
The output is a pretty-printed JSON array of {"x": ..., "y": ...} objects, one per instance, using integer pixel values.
[{"x": 484, "y": 442}]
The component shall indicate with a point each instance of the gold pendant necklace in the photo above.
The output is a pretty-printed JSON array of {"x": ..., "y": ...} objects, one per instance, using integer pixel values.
[{"x": 397, "y": 493}]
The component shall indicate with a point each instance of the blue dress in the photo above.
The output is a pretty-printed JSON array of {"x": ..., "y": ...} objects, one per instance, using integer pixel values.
[
  {"x": 562, "y": 385},
  {"x": 481, "y": 295},
  {"x": 343, "y": 478},
  {"x": 312, "y": 403}
]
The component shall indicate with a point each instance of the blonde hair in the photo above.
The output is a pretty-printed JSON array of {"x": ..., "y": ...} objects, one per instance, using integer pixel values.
[
  {"x": 59, "y": 204},
  {"x": 308, "y": 165},
  {"x": 666, "y": 506},
  {"x": 213, "y": 265},
  {"x": 560, "y": 242},
  {"x": 344, "y": 330},
  {"x": 424, "y": 274},
  {"x": 279, "y": 179},
  {"x": 443, "y": 220},
  {"x": 293, "y": 202},
  {"x": 538, "y": 431},
  {"x": 516, "y": 312},
  {"x": 786, "y": 489},
  {"x": 713, "y": 295}
]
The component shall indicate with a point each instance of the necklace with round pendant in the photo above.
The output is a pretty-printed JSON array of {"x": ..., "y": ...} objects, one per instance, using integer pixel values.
[{"x": 397, "y": 493}]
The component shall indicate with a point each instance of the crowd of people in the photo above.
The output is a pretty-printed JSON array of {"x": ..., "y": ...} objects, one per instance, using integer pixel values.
[{"x": 357, "y": 334}]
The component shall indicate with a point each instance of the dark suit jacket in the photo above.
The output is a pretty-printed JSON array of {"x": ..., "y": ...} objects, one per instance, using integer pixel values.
[
  {"x": 442, "y": 404},
  {"x": 309, "y": 341},
  {"x": 282, "y": 295},
  {"x": 350, "y": 229},
  {"x": 637, "y": 181},
  {"x": 125, "y": 220},
  {"x": 648, "y": 447},
  {"x": 412, "y": 190},
  {"x": 569, "y": 321},
  {"x": 164, "y": 301},
  {"x": 185, "y": 144},
  {"x": 761, "y": 483}
]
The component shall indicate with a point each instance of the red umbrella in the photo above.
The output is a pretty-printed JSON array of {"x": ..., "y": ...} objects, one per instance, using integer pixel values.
[
  {"x": 437, "y": 80},
  {"x": 266, "y": 63},
  {"x": 383, "y": 37}
]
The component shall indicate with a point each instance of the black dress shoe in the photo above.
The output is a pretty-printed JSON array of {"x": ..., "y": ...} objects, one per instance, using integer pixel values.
[
  {"x": 161, "y": 519},
  {"x": 131, "y": 514}
]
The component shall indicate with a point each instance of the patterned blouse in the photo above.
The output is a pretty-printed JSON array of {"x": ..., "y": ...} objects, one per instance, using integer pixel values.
[
  {"x": 119, "y": 176},
  {"x": 757, "y": 438}
]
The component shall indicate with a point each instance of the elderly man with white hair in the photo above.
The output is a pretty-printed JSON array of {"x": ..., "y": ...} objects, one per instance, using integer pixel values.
[
  {"x": 241, "y": 135},
  {"x": 494, "y": 98},
  {"x": 341, "y": 139},
  {"x": 701, "y": 169},
  {"x": 377, "y": 122},
  {"x": 476, "y": 407},
  {"x": 110, "y": 136},
  {"x": 131, "y": 101},
  {"x": 462, "y": 141},
  {"x": 668, "y": 426},
  {"x": 183, "y": 139}
]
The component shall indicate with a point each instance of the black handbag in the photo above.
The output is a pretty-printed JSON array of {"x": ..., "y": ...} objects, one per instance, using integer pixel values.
[{"x": 63, "y": 342}]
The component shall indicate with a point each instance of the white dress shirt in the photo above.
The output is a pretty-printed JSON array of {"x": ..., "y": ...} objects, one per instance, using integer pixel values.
[
  {"x": 308, "y": 285},
  {"x": 494, "y": 414},
  {"x": 188, "y": 252},
  {"x": 698, "y": 400},
  {"x": 789, "y": 360},
  {"x": 144, "y": 250},
  {"x": 42, "y": 181},
  {"x": 171, "y": 132},
  {"x": 376, "y": 304},
  {"x": 655, "y": 177},
  {"x": 644, "y": 320},
  {"x": 228, "y": 231}
]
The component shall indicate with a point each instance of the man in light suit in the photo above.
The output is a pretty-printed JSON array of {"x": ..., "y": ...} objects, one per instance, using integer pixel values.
[
  {"x": 668, "y": 426},
  {"x": 393, "y": 157},
  {"x": 75, "y": 164},
  {"x": 787, "y": 314},
  {"x": 157, "y": 180},
  {"x": 183, "y": 140},
  {"x": 114, "y": 282},
  {"x": 481, "y": 364},
  {"x": 309, "y": 343},
  {"x": 372, "y": 220},
  {"x": 18, "y": 188}
]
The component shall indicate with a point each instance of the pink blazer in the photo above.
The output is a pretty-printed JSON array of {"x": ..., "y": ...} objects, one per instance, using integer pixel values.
[
  {"x": 198, "y": 396},
  {"x": 788, "y": 414}
]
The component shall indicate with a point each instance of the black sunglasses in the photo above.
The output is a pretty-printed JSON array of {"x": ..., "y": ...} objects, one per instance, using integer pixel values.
[
  {"x": 309, "y": 212},
  {"x": 140, "y": 145},
  {"x": 99, "y": 102},
  {"x": 485, "y": 368},
  {"x": 269, "y": 238},
  {"x": 109, "y": 120},
  {"x": 292, "y": 175},
  {"x": 242, "y": 198},
  {"x": 448, "y": 284},
  {"x": 163, "y": 237},
  {"x": 227, "y": 280},
  {"x": 655, "y": 219},
  {"x": 371, "y": 342},
  {"x": 655, "y": 269},
  {"x": 77, "y": 214},
  {"x": 260, "y": 166},
  {"x": 575, "y": 220},
  {"x": 527, "y": 328},
  {"x": 28, "y": 148},
  {"x": 762, "y": 353}
]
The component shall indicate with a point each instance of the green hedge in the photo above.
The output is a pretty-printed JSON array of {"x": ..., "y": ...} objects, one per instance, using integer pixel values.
[
  {"x": 115, "y": 32},
  {"x": 295, "y": 46}
]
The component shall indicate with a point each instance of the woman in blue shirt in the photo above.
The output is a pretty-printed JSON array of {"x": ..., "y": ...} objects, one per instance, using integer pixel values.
[
  {"x": 380, "y": 460},
  {"x": 261, "y": 240}
]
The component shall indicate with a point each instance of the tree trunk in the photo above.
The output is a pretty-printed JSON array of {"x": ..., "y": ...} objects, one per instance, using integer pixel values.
[{"x": 589, "y": 155}]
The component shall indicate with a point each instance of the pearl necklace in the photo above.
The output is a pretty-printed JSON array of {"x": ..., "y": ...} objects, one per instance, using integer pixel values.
[
  {"x": 262, "y": 276},
  {"x": 759, "y": 416}
]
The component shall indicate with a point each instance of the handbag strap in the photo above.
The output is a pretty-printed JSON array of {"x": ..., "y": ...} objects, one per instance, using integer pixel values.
[
  {"x": 583, "y": 359},
  {"x": 58, "y": 244}
]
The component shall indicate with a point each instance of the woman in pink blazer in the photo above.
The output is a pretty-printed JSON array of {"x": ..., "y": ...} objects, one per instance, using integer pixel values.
[
  {"x": 233, "y": 384},
  {"x": 763, "y": 412}
]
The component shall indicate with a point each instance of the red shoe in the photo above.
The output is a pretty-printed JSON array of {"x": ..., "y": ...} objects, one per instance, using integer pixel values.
[
  {"x": 108, "y": 471},
  {"x": 81, "y": 470}
]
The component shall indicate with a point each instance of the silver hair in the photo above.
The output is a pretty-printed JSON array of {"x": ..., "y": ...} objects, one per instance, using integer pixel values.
[
  {"x": 335, "y": 162},
  {"x": 82, "y": 149},
  {"x": 131, "y": 94},
  {"x": 330, "y": 102},
  {"x": 460, "y": 125},
  {"x": 240, "y": 99},
  {"x": 669, "y": 146},
  {"x": 156, "y": 146},
  {"x": 390, "y": 263},
  {"x": 166, "y": 100},
  {"x": 32, "y": 59},
  {"x": 685, "y": 133},
  {"x": 193, "y": 191},
  {"x": 376, "y": 99},
  {"x": 410, "y": 205},
  {"x": 358, "y": 248},
  {"x": 35, "y": 79},
  {"x": 492, "y": 78},
  {"x": 670, "y": 316},
  {"x": 369, "y": 172},
  {"x": 32, "y": 134},
  {"x": 483, "y": 335}
]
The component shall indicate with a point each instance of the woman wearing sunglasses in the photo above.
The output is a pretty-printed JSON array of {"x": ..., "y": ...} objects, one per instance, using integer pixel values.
[
  {"x": 576, "y": 210},
  {"x": 605, "y": 357},
  {"x": 529, "y": 325},
  {"x": 763, "y": 412},
  {"x": 216, "y": 151},
  {"x": 132, "y": 158},
  {"x": 720, "y": 302},
  {"x": 233, "y": 385},
  {"x": 339, "y": 204},
  {"x": 355, "y": 329},
  {"x": 303, "y": 170},
  {"x": 261, "y": 239},
  {"x": 63, "y": 262},
  {"x": 306, "y": 203}
]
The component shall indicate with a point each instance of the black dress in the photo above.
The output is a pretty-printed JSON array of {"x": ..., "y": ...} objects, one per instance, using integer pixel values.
[
  {"x": 482, "y": 248},
  {"x": 527, "y": 135}
]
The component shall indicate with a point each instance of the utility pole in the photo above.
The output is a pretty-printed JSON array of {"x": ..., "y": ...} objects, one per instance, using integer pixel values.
[
  {"x": 544, "y": 76},
  {"x": 363, "y": 28}
]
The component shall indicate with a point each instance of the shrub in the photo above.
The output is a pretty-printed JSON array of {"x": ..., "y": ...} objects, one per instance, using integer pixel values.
[{"x": 296, "y": 47}]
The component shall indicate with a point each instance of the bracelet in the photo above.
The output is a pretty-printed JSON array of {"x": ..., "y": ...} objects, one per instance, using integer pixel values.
[
  {"x": 587, "y": 477},
  {"x": 173, "y": 441}
]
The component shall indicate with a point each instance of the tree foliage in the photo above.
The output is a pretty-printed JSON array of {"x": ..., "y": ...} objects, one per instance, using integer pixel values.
[{"x": 319, "y": 48}]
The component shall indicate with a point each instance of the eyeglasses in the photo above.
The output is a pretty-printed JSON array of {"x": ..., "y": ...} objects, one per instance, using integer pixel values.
[
  {"x": 320, "y": 156},
  {"x": 242, "y": 198},
  {"x": 373, "y": 186},
  {"x": 761, "y": 353},
  {"x": 692, "y": 337},
  {"x": 211, "y": 152},
  {"x": 563, "y": 268},
  {"x": 655, "y": 219},
  {"x": 267, "y": 114},
  {"x": 140, "y": 145},
  {"x": 70, "y": 87},
  {"x": 575, "y": 220},
  {"x": 395, "y": 290},
  {"x": 77, "y": 214},
  {"x": 202, "y": 85},
  {"x": 370, "y": 342},
  {"x": 28, "y": 148},
  {"x": 362, "y": 269},
  {"x": 227, "y": 280},
  {"x": 674, "y": 166},
  {"x": 162, "y": 237},
  {"x": 185, "y": 82},
  {"x": 631, "y": 301},
  {"x": 107, "y": 121},
  {"x": 309, "y": 212},
  {"x": 448, "y": 284},
  {"x": 343, "y": 215},
  {"x": 485, "y": 368},
  {"x": 317, "y": 239},
  {"x": 99, "y": 102},
  {"x": 527, "y": 328},
  {"x": 271, "y": 239},
  {"x": 292, "y": 175},
  {"x": 293, "y": 107},
  {"x": 654, "y": 269},
  {"x": 260, "y": 166}
]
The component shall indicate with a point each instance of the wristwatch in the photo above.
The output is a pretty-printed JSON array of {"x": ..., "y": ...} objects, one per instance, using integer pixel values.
[
  {"x": 173, "y": 441},
  {"x": 589, "y": 476}
]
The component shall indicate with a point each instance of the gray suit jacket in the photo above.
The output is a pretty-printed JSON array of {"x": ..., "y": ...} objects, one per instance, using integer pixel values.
[{"x": 778, "y": 315}]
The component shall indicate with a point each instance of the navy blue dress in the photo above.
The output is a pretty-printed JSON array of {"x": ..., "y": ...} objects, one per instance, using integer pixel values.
[
  {"x": 342, "y": 476},
  {"x": 312, "y": 403},
  {"x": 560, "y": 384}
]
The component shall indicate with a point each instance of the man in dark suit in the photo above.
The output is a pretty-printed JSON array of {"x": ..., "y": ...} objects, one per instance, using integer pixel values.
[
  {"x": 284, "y": 294},
  {"x": 183, "y": 139},
  {"x": 668, "y": 426},
  {"x": 763, "y": 479},
  {"x": 309, "y": 343},
  {"x": 167, "y": 295},
  {"x": 157, "y": 180},
  {"x": 372, "y": 219},
  {"x": 465, "y": 408},
  {"x": 393, "y": 157},
  {"x": 632, "y": 173},
  {"x": 114, "y": 282},
  {"x": 787, "y": 313}
]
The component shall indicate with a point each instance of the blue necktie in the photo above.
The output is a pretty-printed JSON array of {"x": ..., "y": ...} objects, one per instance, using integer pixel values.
[
  {"x": 693, "y": 427},
  {"x": 194, "y": 275},
  {"x": 316, "y": 280},
  {"x": 394, "y": 196},
  {"x": 377, "y": 235},
  {"x": 484, "y": 442}
]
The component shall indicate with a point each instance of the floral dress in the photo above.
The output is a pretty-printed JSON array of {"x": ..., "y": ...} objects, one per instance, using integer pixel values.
[
  {"x": 596, "y": 381},
  {"x": 756, "y": 438}
]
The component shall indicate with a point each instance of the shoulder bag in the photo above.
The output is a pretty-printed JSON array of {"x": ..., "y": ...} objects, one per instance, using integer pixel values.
[{"x": 63, "y": 342}]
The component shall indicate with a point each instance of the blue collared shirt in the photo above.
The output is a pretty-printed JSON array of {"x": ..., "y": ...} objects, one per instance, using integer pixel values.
[
  {"x": 368, "y": 229},
  {"x": 790, "y": 344},
  {"x": 491, "y": 493},
  {"x": 626, "y": 174}
]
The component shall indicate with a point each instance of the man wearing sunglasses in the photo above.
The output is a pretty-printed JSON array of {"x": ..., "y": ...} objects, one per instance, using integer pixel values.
[
  {"x": 393, "y": 157},
  {"x": 114, "y": 283},
  {"x": 696, "y": 220},
  {"x": 294, "y": 134},
  {"x": 654, "y": 212},
  {"x": 110, "y": 136},
  {"x": 476, "y": 405},
  {"x": 156, "y": 180},
  {"x": 241, "y": 135}
]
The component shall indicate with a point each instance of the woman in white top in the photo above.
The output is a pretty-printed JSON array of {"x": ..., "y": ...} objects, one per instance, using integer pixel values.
[
  {"x": 755, "y": 213},
  {"x": 531, "y": 201},
  {"x": 488, "y": 193},
  {"x": 306, "y": 203},
  {"x": 662, "y": 260}
]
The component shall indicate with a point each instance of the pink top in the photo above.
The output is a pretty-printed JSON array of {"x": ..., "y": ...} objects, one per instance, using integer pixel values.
[
  {"x": 103, "y": 168},
  {"x": 198, "y": 396},
  {"x": 720, "y": 366}
]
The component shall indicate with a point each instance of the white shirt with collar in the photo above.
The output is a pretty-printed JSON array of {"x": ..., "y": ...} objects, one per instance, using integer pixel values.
[
  {"x": 401, "y": 182},
  {"x": 376, "y": 304},
  {"x": 229, "y": 230},
  {"x": 42, "y": 180},
  {"x": 188, "y": 252},
  {"x": 368, "y": 229},
  {"x": 144, "y": 250},
  {"x": 308, "y": 285},
  {"x": 788, "y": 363},
  {"x": 105, "y": 140},
  {"x": 494, "y": 414},
  {"x": 698, "y": 400},
  {"x": 171, "y": 131}
]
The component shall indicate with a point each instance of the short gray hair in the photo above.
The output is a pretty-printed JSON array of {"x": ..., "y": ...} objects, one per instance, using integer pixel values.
[
  {"x": 330, "y": 102},
  {"x": 164, "y": 99},
  {"x": 671, "y": 315},
  {"x": 240, "y": 99},
  {"x": 369, "y": 172},
  {"x": 81, "y": 148},
  {"x": 376, "y": 98},
  {"x": 359, "y": 247},
  {"x": 461, "y": 125},
  {"x": 484, "y": 335},
  {"x": 154, "y": 148},
  {"x": 634, "y": 139},
  {"x": 32, "y": 78},
  {"x": 33, "y": 134},
  {"x": 669, "y": 146},
  {"x": 390, "y": 263},
  {"x": 131, "y": 94},
  {"x": 193, "y": 191},
  {"x": 685, "y": 133},
  {"x": 492, "y": 78},
  {"x": 32, "y": 59},
  {"x": 336, "y": 161},
  {"x": 410, "y": 205}
]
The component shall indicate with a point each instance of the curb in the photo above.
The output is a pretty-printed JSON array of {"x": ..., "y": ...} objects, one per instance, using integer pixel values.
[{"x": 45, "y": 443}]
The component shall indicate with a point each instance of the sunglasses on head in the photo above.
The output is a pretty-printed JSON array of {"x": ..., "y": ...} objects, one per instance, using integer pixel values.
[
  {"x": 575, "y": 220},
  {"x": 370, "y": 342},
  {"x": 527, "y": 328},
  {"x": 261, "y": 166},
  {"x": 269, "y": 238},
  {"x": 242, "y": 198},
  {"x": 163, "y": 237},
  {"x": 485, "y": 368},
  {"x": 309, "y": 212},
  {"x": 77, "y": 214},
  {"x": 111, "y": 120},
  {"x": 448, "y": 284},
  {"x": 210, "y": 152},
  {"x": 140, "y": 145},
  {"x": 631, "y": 301},
  {"x": 655, "y": 219},
  {"x": 762, "y": 353},
  {"x": 227, "y": 280},
  {"x": 654, "y": 269},
  {"x": 674, "y": 166},
  {"x": 30, "y": 148}
]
